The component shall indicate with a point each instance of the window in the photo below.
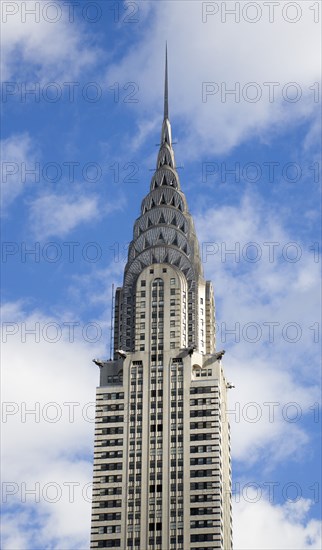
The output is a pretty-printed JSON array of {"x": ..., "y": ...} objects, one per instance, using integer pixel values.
[
  {"x": 109, "y": 543},
  {"x": 143, "y": 283},
  {"x": 172, "y": 291},
  {"x": 142, "y": 293},
  {"x": 172, "y": 345},
  {"x": 172, "y": 323},
  {"x": 172, "y": 302},
  {"x": 142, "y": 304},
  {"x": 172, "y": 281},
  {"x": 164, "y": 270},
  {"x": 172, "y": 334}
]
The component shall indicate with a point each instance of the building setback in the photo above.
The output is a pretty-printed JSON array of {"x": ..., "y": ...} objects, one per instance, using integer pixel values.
[{"x": 162, "y": 469}]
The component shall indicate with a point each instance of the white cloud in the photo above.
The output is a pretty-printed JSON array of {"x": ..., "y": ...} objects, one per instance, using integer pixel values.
[
  {"x": 17, "y": 151},
  {"x": 272, "y": 288},
  {"x": 225, "y": 54},
  {"x": 94, "y": 288},
  {"x": 48, "y": 450},
  {"x": 267, "y": 409},
  {"x": 57, "y": 215},
  {"x": 45, "y": 45},
  {"x": 263, "y": 525},
  {"x": 262, "y": 361},
  {"x": 144, "y": 130}
]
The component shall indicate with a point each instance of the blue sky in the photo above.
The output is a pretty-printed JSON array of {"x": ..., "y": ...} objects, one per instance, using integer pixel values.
[{"x": 77, "y": 156}]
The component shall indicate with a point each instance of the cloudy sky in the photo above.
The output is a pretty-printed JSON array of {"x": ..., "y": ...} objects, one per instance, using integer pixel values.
[{"x": 82, "y": 110}]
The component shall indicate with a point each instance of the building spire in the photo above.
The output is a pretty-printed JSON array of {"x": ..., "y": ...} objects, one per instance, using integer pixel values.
[
  {"x": 166, "y": 96},
  {"x": 166, "y": 127}
]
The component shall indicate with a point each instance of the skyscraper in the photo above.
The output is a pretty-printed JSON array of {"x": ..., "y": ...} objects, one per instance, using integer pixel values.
[{"x": 162, "y": 473}]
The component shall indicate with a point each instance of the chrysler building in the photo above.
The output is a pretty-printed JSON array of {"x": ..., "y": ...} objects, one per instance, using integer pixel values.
[{"x": 162, "y": 469}]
